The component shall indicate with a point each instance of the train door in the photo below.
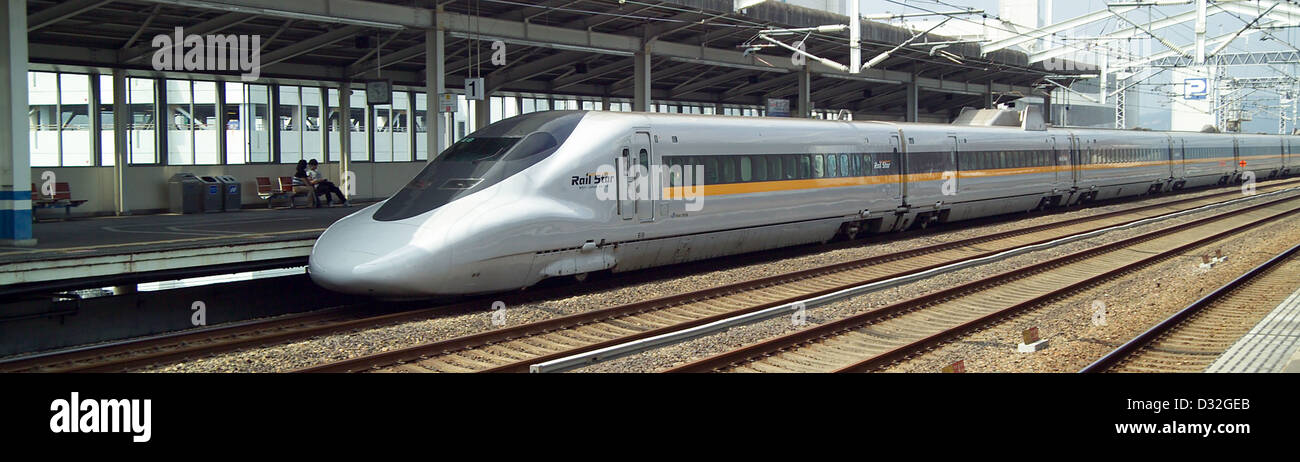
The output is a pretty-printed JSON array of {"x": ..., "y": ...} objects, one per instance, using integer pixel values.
[
  {"x": 625, "y": 183},
  {"x": 1236, "y": 156},
  {"x": 641, "y": 151},
  {"x": 896, "y": 147},
  {"x": 1284, "y": 156},
  {"x": 1075, "y": 160},
  {"x": 1057, "y": 161},
  {"x": 1178, "y": 156},
  {"x": 954, "y": 167}
]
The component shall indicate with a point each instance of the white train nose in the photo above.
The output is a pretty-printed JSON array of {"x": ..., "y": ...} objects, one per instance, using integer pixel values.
[{"x": 375, "y": 259}]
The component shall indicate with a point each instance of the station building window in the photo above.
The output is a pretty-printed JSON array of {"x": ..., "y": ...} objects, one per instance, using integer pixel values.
[
  {"x": 142, "y": 131},
  {"x": 246, "y": 118},
  {"x": 421, "y": 127},
  {"x": 192, "y": 124},
  {"x": 108, "y": 148},
  {"x": 392, "y": 133},
  {"x": 59, "y": 120}
]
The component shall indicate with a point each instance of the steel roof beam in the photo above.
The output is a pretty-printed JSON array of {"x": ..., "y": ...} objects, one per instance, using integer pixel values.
[
  {"x": 1035, "y": 34},
  {"x": 386, "y": 60},
  {"x": 210, "y": 26},
  {"x": 525, "y": 71},
  {"x": 591, "y": 74},
  {"x": 307, "y": 46},
  {"x": 706, "y": 83},
  {"x": 61, "y": 11}
]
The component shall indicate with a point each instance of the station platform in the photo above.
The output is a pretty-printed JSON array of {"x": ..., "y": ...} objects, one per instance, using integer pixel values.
[
  {"x": 108, "y": 249},
  {"x": 1273, "y": 345}
]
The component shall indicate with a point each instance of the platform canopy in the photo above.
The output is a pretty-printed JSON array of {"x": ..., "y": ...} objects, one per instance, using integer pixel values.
[{"x": 575, "y": 47}]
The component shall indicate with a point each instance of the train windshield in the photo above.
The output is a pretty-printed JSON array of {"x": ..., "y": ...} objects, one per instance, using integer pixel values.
[{"x": 480, "y": 160}]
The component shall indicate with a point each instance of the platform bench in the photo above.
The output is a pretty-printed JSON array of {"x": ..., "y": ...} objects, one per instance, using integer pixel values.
[{"x": 62, "y": 198}]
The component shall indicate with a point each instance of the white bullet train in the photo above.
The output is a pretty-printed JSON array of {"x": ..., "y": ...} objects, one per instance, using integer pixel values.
[{"x": 567, "y": 193}]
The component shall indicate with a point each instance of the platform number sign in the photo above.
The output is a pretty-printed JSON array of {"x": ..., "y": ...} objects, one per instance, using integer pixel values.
[
  {"x": 1195, "y": 88},
  {"x": 474, "y": 88}
]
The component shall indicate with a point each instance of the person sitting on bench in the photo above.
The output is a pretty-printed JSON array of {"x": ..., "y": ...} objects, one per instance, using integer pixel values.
[
  {"x": 302, "y": 183},
  {"x": 323, "y": 185}
]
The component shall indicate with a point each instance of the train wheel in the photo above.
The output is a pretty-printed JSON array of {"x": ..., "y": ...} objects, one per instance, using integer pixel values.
[{"x": 581, "y": 277}]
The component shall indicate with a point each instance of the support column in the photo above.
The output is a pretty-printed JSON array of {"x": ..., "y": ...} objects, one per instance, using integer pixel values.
[
  {"x": 15, "y": 155},
  {"x": 324, "y": 129},
  {"x": 435, "y": 83},
  {"x": 1047, "y": 108},
  {"x": 483, "y": 111},
  {"x": 345, "y": 135},
  {"x": 641, "y": 80},
  {"x": 222, "y": 143},
  {"x": 604, "y": 103},
  {"x": 96, "y": 122},
  {"x": 988, "y": 97},
  {"x": 913, "y": 97},
  {"x": 805, "y": 92},
  {"x": 274, "y": 102},
  {"x": 121, "y": 154}
]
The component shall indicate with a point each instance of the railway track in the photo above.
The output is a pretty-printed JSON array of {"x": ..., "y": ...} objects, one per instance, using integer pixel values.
[
  {"x": 894, "y": 333},
  {"x": 515, "y": 349},
  {"x": 187, "y": 345},
  {"x": 1191, "y": 339}
]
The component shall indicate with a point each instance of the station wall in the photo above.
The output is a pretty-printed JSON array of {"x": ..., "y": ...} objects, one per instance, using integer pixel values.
[{"x": 146, "y": 185}]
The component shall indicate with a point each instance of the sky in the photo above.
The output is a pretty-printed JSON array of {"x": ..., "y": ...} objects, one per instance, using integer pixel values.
[{"x": 1151, "y": 108}]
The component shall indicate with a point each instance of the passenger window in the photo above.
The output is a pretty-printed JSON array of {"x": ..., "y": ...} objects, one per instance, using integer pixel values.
[
  {"x": 845, "y": 169},
  {"x": 728, "y": 164},
  {"x": 746, "y": 169},
  {"x": 791, "y": 169},
  {"x": 832, "y": 165},
  {"x": 774, "y": 168},
  {"x": 818, "y": 167},
  {"x": 804, "y": 165}
]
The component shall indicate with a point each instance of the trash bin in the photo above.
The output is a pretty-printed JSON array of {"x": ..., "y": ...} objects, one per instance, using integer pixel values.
[
  {"x": 211, "y": 194},
  {"x": 230, "y": 193},
  {"x": 185, "y": 193}
]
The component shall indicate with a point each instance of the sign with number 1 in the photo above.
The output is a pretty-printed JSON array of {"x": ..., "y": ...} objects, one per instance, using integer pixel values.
[{"x": 474, "y": 88}]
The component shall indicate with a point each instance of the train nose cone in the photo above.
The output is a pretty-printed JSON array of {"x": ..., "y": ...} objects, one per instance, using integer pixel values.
[{"x": 375, "y": 260}]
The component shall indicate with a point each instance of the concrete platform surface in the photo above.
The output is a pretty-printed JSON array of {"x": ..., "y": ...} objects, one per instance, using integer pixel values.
[
  {"x": 102, "y": 236},
  {"x": 1273, "y": 345}
]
